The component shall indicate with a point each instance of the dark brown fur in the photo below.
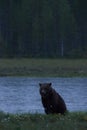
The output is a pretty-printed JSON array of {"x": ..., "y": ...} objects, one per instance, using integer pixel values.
[{"x": 51, "y": 100}]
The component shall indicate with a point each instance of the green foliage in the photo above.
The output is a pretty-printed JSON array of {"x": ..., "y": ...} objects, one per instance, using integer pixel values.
[
  {"x": 30, "y": 28},
  {"x": 70, "y": 121},
  {"x": 43, "y": 67}
]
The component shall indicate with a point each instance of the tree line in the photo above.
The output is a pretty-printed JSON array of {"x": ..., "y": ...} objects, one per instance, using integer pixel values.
[{"x": 43, "y": 28}]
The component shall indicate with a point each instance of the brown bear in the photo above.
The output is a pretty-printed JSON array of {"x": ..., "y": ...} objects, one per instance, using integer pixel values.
[{"x": 52, "y": 102}]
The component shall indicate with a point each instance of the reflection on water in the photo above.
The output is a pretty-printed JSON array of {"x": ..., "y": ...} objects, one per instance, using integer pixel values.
[{"x": 22, "y": 94}]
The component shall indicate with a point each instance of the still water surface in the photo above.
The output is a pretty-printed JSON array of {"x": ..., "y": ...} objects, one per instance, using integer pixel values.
[{"x": 21, "y": 94}]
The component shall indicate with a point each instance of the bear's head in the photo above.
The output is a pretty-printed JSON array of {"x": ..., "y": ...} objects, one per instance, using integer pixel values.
[{"x": 45, "y": 89}]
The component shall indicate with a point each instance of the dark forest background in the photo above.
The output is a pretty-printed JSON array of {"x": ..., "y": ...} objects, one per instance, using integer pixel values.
[{"x": 43, "y": 28}]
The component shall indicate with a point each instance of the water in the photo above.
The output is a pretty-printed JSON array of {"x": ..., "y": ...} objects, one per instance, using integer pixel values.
[{"x": 21, "y": 94}]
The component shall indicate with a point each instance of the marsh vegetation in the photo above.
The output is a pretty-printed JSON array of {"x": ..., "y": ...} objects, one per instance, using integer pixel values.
[
  {"x": 71, "y": 121},
  {"x": 43, "y": 67}
]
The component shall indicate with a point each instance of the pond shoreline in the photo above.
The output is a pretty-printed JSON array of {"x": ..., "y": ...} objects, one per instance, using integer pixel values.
[
  {"x": 28, "y": 121},
  {"x": 43, "y": 67}
]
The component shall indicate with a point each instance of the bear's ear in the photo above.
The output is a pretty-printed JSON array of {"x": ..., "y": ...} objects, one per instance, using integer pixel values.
[
  {"x": 50, "y": 84},
  {"x": 40, "y": 84}
]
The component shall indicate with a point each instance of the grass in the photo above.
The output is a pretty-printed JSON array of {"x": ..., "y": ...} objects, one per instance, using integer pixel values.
[
  {"x": 43, "y": 67},
  {"x": 71, "y": 121}
]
